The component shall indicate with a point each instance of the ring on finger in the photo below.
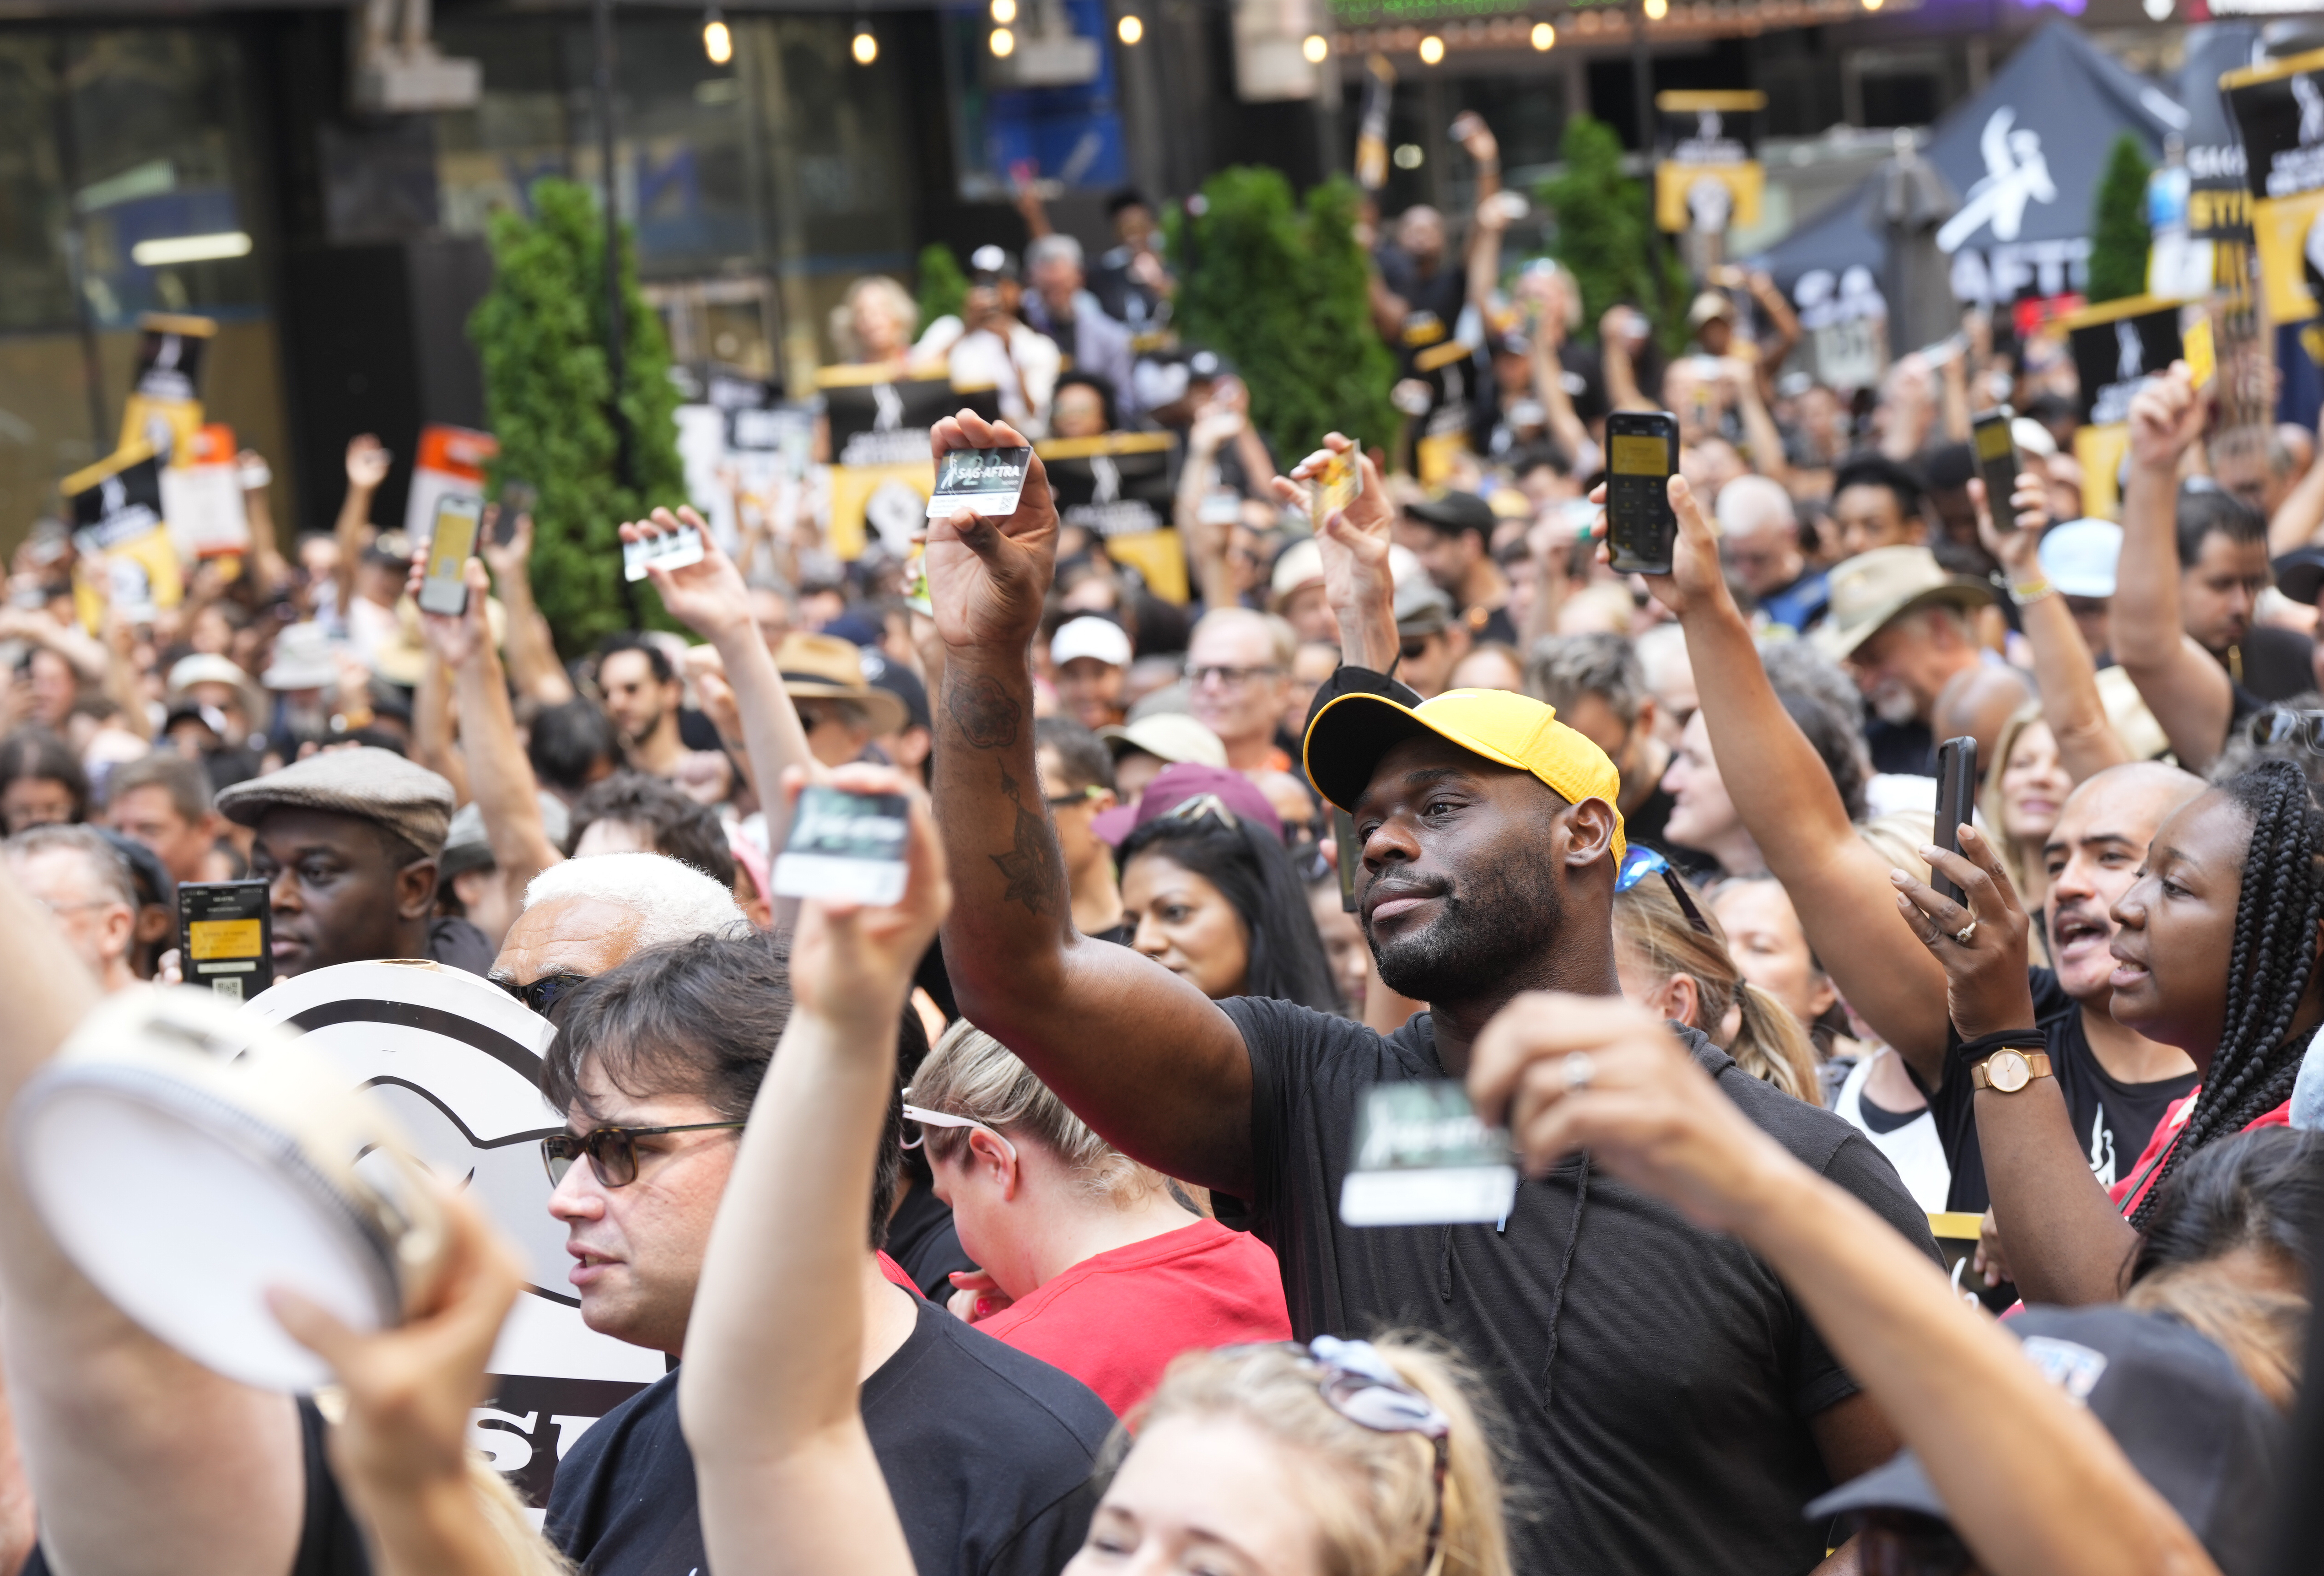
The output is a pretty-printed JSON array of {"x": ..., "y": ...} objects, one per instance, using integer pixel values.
[
  {"x": 1966, "y": 934},
  {"x": 1580, "y": 1068}
]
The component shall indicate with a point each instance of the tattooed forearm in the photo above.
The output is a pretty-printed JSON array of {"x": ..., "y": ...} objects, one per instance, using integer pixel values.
[
  {"x": 985, "y": 711},
  {"x": 1035, "y": 869}
]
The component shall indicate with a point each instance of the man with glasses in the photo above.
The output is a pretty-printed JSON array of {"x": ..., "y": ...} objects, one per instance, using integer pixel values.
[
  {"x": 88, "y": 891},
  {"x": 1670, "y": 1406},
  {"x": 1430, "y": 643},
  {"x": 988, "y": 1453},
  {"x": 1238, "y": 673}
]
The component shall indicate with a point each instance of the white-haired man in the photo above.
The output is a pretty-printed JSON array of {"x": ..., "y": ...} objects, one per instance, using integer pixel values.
[
  {"x": 1061, "y": 307},
  {"x": 1762, "y": 534},
  {"x": 89, "y": 894},
  {"x": 586, "y": 917}
]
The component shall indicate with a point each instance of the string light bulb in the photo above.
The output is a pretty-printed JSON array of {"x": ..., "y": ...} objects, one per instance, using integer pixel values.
[
  {"x": 863, "y": 46},
  {"x": 1130, "y": 30},
  {"x": 1003, "y": 42},
  {"x": 1004, "y": 12},
  {"x": 717, "y": 38},
  {"x": 1314, "y": 48},
  {"x": 1656, "y": 10},
  {"x": 1432, "y": 50},
  {"x": 1544, "y": 35}
]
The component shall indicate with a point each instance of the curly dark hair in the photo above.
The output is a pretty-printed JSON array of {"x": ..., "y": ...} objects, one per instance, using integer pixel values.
[{"x": 2270, "y": 965}]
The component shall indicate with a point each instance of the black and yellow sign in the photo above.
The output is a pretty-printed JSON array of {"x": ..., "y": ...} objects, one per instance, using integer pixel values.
[
  {"x": 164, "y": 408},
  {"x": 115, "y": 509},
  {"x": 2279, "y": 109},
  {"x": 1117, "y": 486},
  {"x": 1707, "y": 172},
  {"x": 2118, "y": 346}
]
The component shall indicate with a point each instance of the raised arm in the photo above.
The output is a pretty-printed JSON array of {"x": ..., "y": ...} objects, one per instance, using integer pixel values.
[
  {"x": 1138, "y": 1052},
  {"x": 431, "y": 727},
  {"x": 532, "y": 659},
  {"x": 2033, "y": 1484},
  {"x": 2301, "y": 515},
  {"x": 367, "y": 464},
  {"x": 1206, "y": 540},
  {"x": 1617, "y": 354},
  {"x": 787, "y": 1479},
  {"x": 1742, "y": 377},
  {"x": 1549, "y": 387},
  {"x": 2062, "y": 669},
  {"x": 1785, "y": 797},
  {"x": 1353, "y": 544},
  {"x": 1783, "y": 330},
  {"x": 267, "y": 565},
  {"x": 507, "y": 794},
  {"x": 140, "y": 1460},
  {"x": 710, "y": 599},
  {"x": 2187, "y": 692}
]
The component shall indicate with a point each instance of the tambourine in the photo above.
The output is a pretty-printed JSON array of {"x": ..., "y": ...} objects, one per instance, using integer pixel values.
[{"x": 187, "y": 1160}]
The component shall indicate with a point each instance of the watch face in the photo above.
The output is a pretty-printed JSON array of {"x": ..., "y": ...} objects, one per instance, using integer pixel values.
[{"x": 2008, "y": 1071}]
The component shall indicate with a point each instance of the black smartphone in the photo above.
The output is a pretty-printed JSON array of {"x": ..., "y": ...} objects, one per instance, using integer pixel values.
[
  {"x": 225, "y": 937},
  {"x": 1997, "y": 462},
  {"x": 1956, "y": 802},
  {"x": 516, "y": 498},
  {"x": 1641, "y": 458}
]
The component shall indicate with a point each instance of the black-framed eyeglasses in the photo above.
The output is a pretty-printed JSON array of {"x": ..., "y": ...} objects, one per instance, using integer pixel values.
[
  {"x": 613, "y": 1151},
  {"x": 544, "y": 994},
  {"x": 1413, "y": 648},
  {"x": 1641, "y": 862},
  {"x": 2281, "y": 726},
  {"x": 1078, "y": 796}
]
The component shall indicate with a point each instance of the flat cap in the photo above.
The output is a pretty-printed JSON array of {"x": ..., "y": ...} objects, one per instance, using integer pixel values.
[{"x": 375, "y": 785}]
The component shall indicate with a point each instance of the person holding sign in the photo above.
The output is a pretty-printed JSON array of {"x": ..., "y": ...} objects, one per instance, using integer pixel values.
[{"x": 1489, "y": 844}]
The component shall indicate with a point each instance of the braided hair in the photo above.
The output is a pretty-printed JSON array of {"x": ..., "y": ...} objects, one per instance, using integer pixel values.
[{"x": 2268, "y": 965}]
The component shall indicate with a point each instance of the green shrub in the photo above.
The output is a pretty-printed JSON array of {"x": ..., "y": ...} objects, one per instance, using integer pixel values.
[
  {"x": 1606, "y": 233},
  {"x": 540, "y": 333},
  {"x": 2119, "y": 232},
  {"x": 944, "y": 288},
  {"x": 1278, "y": 288}
]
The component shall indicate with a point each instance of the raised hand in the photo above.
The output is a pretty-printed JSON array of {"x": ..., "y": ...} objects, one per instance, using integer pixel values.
[
  {"x": 851, "y": 963},
  {"x": 367, "y": 463},
  {"x": 1695, "y": 580},
  {"x": 1353, "y": 543},
  {"x": 2018, "y": 546},
  {"x": 1982, "y": 945},
  {"x": 2165, "y": 417},
  {"x": 454, "y": 639},
  {"x": 707, "y": 597},
  {"x": 512, "y": 560},
  {"x": 1569, "y": 1072},
  {"x": 988, "y": 578}
]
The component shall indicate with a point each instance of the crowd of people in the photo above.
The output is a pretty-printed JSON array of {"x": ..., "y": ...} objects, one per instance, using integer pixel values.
[{"x": 999, "y": 1229}]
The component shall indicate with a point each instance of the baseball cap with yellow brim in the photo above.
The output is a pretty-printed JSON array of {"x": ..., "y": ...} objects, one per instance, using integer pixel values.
[
  {"x": 1349, "y": 737},
  {"x": 1874, "y": 589}
]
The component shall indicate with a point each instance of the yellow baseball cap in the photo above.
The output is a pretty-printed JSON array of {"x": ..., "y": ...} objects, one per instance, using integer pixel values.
[{"x": 1348, "y": 737}]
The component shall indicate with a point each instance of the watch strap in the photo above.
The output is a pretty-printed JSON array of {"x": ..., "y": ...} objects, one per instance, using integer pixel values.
[{"x": 2037, "y": 1066}]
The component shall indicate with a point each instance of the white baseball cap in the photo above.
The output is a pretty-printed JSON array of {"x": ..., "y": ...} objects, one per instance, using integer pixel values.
[{"x": 1091, "y": 636}]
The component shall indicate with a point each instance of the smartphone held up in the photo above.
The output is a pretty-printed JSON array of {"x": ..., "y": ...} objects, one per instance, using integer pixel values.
[
  {"x": 1641, "y": 458},
  {"x": 443, "y": 588}
]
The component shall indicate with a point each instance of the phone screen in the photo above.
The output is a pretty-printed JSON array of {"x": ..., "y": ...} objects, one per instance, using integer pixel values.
[
  {"x": 444, "y": 589},
  {"x": 225, "y": 937},
  {"x": 1997, "y": 462},
  {"x": 1642, "y": 451}
]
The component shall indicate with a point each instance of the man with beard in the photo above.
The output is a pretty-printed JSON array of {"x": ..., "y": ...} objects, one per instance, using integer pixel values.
[
  {"x": 643, "y": 696},
  {"x": 2117, "y": 1082},
  {"x": 1901, "y": 625},
  {"x": 1669, "y": 1406}
]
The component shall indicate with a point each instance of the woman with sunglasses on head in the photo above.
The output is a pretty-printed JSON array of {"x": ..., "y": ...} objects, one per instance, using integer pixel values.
[
  {"x": 1087, "y": 1259},
  {"x": 1672, "y": 956},
  {"x": 1208, "y": 893},
  {"x": 1342, "y": 1458},
  {"x": 2215, "y": 955}
]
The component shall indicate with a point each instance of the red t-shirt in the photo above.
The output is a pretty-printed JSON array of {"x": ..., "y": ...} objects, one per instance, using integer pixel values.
[
  {"x": 1115, "y": 1320},
  {"x": 2166, "y": 1132}
]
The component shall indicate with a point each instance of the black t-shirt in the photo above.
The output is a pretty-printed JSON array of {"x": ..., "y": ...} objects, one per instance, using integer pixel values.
[
  {"x": 330, "y": 1543},
  {"x": 2277, "y": 664},
  {"x": 1671, "y": 1432},
  {"x": 1909, "y": 748},
  {"x": 1584, "y": 379},
  {"x": 1490, "y": 624},
  {"x": 2112, "y": 1120},
  {"x": 457, "y": 944},
  {"x": 923, "y": 1240},
  {"x": 1439, "y": 295},
  {"x": 987, "y": 1453}
]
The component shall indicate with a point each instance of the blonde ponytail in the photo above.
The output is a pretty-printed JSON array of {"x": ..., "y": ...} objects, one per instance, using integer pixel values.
[
  {"x": 1743, "y": 1020},
  {"x": 1770, "y": 1045}
]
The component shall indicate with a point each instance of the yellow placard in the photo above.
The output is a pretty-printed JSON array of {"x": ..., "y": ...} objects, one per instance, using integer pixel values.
[
  {"x": 853, "y": 490},
  {"x": 1744, "y": 182},
  {"x": 2197, "y": 351},
  {"x": 2098, "y": 450},
  {"x": 1958, "y": 1225},
  {"x": 1158, "y": 556},
  {"x": 1436, "y": 458},
  {"x": 208, "y": 939},
  {"x": 2280, "y": 227}
]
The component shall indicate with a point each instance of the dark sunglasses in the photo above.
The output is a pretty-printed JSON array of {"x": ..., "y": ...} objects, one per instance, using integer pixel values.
[
  {"x": 613, "y": 1151},
  {"x": 545, "y": 993},
  {"x": 1641, "y": 862},
  {"x": 2280, "y": 726}
]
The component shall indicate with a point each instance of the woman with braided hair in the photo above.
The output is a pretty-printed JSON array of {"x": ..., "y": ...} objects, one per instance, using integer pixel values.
[{"x": 2215, "y": 954}]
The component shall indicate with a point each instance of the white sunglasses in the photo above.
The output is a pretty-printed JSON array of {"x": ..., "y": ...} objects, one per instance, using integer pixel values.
[{"x": 945, "y": 1118}]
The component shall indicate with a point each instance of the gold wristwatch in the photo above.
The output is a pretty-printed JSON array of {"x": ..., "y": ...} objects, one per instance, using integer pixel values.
[{"x": 2009, "y": 1069}]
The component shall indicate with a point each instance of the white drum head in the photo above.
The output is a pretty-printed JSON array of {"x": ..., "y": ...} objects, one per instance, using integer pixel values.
[{"x": 183, "y": 1211}]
